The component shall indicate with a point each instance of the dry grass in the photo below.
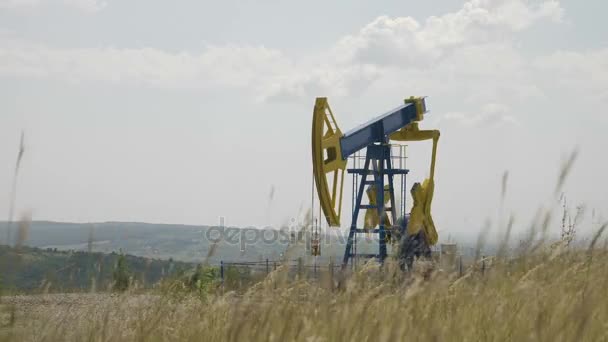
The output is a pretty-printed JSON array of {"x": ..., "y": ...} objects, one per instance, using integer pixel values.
[{"x": 553, "y": 295}]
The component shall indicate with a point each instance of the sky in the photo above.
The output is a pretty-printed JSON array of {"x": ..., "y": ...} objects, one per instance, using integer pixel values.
[{"x": 187, "y": 111}]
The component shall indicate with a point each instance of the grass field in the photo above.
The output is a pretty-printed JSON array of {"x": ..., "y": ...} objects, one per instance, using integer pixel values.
[{"x": 547, "y": 294}]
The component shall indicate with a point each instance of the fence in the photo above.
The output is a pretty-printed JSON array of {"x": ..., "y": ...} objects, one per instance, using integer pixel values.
[{"x": 240, "y": 274}]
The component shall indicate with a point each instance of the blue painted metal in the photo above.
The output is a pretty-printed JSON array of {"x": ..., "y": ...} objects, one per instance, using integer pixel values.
[
  {"x": 378, "y": 156},
  {"x": 376, "y": 130},
  {"x": 371, "y": 172},
  {"x": 368, "y": 206},
  {"x": 374, "y": 135}
]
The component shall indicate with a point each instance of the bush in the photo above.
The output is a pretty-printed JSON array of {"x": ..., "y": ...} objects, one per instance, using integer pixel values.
[
  {"x": 204, "y": 279},
  {"x": 121, "y": 275}
]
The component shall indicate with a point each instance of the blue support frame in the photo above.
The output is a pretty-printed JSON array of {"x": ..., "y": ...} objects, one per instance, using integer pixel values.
[
  {"x": 374, "y": 135},
  {"x": 378, "y": 156}
]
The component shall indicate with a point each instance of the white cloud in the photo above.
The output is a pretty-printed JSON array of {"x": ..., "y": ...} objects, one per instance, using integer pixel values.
[
  {"x": 306, "y": 81},
  {"x": 265, "y": 73},
  {"x": 404, "y": 41},
  {"x": 88, "y": 6},
  {"x": 581, "y": 73},
  {"x": 469, "y": 35},
  {"x": 491, "y": 114},
  {"x": 231, "y": 66},
  {"x": 473, "y": 45},
  {"x": 19, "y": 3},
  {"x": 469, "y": 53}
]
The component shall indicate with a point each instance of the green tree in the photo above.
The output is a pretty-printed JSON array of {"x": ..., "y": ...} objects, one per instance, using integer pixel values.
[{"x": 121, "y": 275}]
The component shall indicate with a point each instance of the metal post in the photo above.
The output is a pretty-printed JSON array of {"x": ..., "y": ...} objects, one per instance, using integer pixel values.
[
  {"x": 460, "y": 266},
  {"x": 222, "y": 271},
  {"x": 312, "y": 199},
  {"x": 331, "y": 274},
  {"x": 267, "y": 266},
  {"x": 353, "y": 227},
  {"x": 380, "y": 200}
]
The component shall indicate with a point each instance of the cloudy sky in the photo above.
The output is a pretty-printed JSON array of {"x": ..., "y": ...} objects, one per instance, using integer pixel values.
[{"x": 184, "y": 111}]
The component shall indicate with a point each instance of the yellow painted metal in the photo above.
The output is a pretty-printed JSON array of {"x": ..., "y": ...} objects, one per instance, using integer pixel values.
[
  {"x": 327, "y": 161},
  {"x": 372, "y": 220},
  {"x": 420, "y": 109},
  {"x": 422, "y": 194}
]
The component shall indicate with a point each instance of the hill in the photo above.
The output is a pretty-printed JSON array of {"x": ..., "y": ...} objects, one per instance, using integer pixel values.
[
  {"x": 161, "y": 241},
  {"x": 28, "y": 269},
  {"x": 190, "y": 243},
  {"x": 180, "y": 242}
]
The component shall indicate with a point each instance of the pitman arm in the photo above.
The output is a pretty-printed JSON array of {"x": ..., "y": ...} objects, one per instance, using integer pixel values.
[{"x": 420, "y": 216}]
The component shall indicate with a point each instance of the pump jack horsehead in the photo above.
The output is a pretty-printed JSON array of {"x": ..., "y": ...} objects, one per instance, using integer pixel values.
[{"x": 413, "y": 233}]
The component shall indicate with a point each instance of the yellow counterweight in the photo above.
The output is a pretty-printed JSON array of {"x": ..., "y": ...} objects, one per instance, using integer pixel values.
[{"x": 372, "y": 219}]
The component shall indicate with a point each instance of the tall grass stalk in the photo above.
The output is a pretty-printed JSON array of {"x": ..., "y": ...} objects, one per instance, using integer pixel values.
[{"x": 13, "y": 194}]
